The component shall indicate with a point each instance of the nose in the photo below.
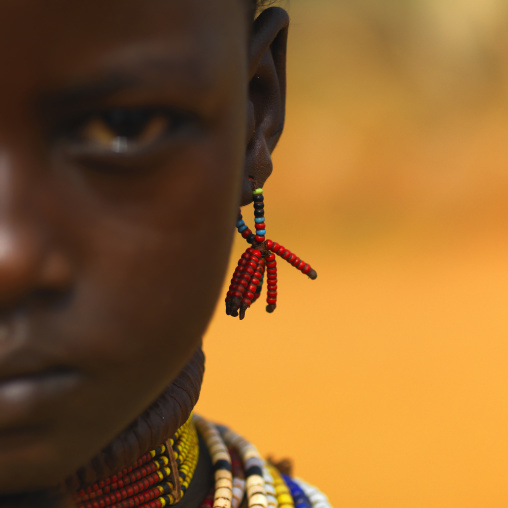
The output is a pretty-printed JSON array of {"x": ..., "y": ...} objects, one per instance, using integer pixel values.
[
  {"x": 29, "y": 267},
  {"x": 31, "y": 263}
]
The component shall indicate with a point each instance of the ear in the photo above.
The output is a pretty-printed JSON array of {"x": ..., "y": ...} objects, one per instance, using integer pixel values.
[{"x": 267, "y": 95}]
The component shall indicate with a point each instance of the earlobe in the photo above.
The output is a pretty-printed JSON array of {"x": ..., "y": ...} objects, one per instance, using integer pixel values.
[{"x": 267, "y": 95}]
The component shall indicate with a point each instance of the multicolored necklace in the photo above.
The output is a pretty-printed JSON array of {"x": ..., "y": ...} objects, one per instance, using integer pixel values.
[{"x": 161, "y": 477}]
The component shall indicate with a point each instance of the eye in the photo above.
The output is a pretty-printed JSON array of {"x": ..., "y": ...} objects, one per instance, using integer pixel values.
[{"x": 123, "y": 130}]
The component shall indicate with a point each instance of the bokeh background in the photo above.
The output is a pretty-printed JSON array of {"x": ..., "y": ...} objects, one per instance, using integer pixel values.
[{"x": 385, "y": 380}]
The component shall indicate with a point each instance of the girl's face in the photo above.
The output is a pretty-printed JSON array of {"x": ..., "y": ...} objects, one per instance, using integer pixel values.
[{"x": 122, "y": 143}]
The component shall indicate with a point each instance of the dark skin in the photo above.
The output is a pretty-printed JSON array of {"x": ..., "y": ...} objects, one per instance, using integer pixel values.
[{"x": 128, "y": 133}]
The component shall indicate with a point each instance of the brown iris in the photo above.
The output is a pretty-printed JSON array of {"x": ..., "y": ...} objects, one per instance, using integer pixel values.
[{"x": 121, "y": 130}]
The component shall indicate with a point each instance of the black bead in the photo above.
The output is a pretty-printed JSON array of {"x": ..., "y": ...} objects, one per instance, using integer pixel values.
[
  {"x": 259, "y": 206},
  {"x": 251, "y": 238},
  {"x": 259, "y": 214},
  {"x": 222, "y": 464},
  {"x": 254, "y": 470},
  {"x": 259, "y": 198}
]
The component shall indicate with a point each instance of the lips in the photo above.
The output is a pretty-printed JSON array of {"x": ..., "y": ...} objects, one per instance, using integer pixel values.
[
  {"x": 29, "y": 397},
  {"x": 35, "y": 378}
]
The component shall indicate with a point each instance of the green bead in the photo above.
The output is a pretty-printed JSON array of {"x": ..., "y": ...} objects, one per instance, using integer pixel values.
[{"x": 257, "y": 192}]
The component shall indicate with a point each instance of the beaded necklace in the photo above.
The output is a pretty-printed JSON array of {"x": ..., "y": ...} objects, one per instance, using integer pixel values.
[
  {"x": 160, "y": 477},
  {"x": 240, "y": 470}
]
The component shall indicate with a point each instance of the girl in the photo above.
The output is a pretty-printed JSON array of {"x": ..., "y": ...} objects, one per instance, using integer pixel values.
[{"x": 129, "y": 134}]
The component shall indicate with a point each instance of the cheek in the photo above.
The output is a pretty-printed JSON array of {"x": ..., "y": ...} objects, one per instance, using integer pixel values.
[
  {"x": 150, "y": 252},
  {"x": 149, "y": 273},
  {"x": 154, "y": 263}
]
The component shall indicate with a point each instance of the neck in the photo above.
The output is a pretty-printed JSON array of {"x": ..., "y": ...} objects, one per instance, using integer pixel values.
[{"x": 162, "y": 419}]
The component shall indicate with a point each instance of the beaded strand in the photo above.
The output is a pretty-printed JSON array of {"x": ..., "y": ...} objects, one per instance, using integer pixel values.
[
  {"x": 284, "y": 498},
  {"x": 238, "y": 478},
  {"x": 221, "y": 461},
  {"x": 253, "y": 465},
  {"x": 128, "y": 477},
  {"x": 208, "y": 501},
  {"x": 299, "y": 497},
  {"x": 271, "y": 495},
  {"x": 316, "y": 497},
  {"x": 186, "y": 455},
  {"x": 247, "y": 281},
  {"x": 149, "y": 483},
  {"x": 277, "y": 493}
]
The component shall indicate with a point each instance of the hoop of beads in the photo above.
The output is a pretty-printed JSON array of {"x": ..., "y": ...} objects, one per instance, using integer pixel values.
[
  {"x": 247, "y": 281},
  {"x": 221, "y": 461},
  {"x": 208, "y": 501},
  {"x": 238, "y": 478},
  {"x": 183, "y": 450},
  {"x": 127, "y": 483},
  {"x": 297, "y": 493},
  {"x": 315, "y": 496},
  {"x": 282, "y": 493},
  {"x": 271, "y": 495},
  {"x": 253, "y": 465}
]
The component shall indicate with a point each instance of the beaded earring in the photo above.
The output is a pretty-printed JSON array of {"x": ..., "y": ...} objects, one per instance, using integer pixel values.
[{"x": 247, "y": 281}]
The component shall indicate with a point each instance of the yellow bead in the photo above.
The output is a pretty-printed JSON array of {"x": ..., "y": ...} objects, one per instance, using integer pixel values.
[{"x": 285, "y": 498}]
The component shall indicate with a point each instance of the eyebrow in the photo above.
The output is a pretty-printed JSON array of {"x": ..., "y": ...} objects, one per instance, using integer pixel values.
[
  {"x": 88, "y": 92},
  {"x": 189, "y": 74}
]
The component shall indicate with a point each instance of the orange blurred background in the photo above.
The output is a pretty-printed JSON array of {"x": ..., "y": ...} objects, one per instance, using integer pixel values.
[{"x": 386, "y": 379}]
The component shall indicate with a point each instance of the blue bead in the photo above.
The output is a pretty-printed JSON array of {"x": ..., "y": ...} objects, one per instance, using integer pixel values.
[
  {"x": 240, "y": 223},
  {"x": 260, "y": 221},
  {"x": 261, "y": 232},
  {"x": 299, "y": 497},
  {"x": 241, "y": 229}
]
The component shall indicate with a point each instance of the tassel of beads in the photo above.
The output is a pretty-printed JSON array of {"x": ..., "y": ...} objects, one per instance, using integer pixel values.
[{"x": 247, "y": 281}]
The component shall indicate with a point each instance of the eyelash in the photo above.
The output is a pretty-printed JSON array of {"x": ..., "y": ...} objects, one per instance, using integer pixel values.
[{"x": 124, "y": 132}]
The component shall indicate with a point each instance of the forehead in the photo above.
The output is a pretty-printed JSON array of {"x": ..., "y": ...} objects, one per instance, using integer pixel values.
[{"x": 42, "y": 41}]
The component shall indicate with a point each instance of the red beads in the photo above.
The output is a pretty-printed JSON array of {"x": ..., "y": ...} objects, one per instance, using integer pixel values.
[
  {"x": 271, "y": 299},
  {"x": 247, "y": 281}
]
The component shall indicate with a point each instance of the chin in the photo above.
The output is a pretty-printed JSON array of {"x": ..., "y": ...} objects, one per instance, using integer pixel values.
[{"x": 31, "y": 465}]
